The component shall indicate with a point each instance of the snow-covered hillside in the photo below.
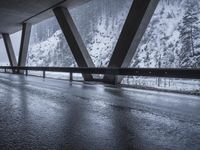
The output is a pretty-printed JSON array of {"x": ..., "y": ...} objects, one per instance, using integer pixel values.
[
  {"x": 168, "y": 40},
  {"x": 99, "y": 32},
  {"x": 51, "y": 52},
  {"x": 172, "y": 39}
]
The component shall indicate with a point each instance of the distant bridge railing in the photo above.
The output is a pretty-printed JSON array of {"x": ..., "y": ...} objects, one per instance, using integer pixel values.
[{"x": 146, "y": 72}]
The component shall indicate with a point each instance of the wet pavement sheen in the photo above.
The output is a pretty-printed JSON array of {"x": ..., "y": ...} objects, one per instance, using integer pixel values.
[{"x": 38, "y": 113}]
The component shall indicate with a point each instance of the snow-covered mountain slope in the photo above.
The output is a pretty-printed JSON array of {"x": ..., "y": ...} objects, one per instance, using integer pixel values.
[
  {"x": 99, "y": 32},
  {"x": 163, "y": 45},
  {"x": 169, "y": 41},
  {"x": 51, "y": 52}
]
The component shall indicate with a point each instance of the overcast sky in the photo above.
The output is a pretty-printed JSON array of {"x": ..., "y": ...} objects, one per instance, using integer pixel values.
[{"x": 15, "y": 38}]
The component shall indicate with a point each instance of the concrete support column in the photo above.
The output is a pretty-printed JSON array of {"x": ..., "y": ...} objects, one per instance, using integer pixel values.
[
  {"x": 74, "y": 40},
  {"x": 26, "y": 32},
  {"x": 9, "y": 49},
  {"x": 135, "y": 26}
]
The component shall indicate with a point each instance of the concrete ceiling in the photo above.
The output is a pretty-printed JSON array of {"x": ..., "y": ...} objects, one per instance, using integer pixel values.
[{"x": 15, "y": 12}]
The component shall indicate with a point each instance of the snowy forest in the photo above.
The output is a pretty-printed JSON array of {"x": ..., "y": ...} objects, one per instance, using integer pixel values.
[{"x": 172, "y": 39}]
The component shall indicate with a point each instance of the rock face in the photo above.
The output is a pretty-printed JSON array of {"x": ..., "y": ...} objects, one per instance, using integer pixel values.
[{"x": 171, "y": 40}]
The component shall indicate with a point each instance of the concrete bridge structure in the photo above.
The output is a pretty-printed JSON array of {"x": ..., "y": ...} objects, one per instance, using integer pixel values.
[{"x": 42, "y": 113}]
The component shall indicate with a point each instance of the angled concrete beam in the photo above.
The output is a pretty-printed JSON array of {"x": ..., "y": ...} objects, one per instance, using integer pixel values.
[
  {"x": 135, "y": 26},
  {"x": 26, "y": 32},
  {"x": 9, "y": 49},
  {"x": 74, "y": 40}
]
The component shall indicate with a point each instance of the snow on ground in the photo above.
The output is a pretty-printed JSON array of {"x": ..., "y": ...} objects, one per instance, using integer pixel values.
[{"x": 171, "y": 84}]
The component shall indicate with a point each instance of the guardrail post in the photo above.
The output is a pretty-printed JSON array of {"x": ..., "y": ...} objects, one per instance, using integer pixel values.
[
  {"x": 44, "y": 74},
  {"x": 115, "y": 80},
  {"x": 71, "y": 76},
  {"x": 15, "y": 71},
  {"x": 26, "y": 72},
  {"x": 5, "y": 70}
]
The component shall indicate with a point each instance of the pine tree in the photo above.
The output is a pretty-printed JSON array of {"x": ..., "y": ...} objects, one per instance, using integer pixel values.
[
  {"x": 189, "y": 34},
  {"x": 147, "y": 57}
]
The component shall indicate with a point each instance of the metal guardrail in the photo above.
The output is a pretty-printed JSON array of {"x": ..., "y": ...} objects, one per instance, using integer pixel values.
[{"x": 147, "y": 72}]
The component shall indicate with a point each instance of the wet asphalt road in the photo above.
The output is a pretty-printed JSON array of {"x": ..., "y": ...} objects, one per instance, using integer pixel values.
[{"x": 38, "y": 113}]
